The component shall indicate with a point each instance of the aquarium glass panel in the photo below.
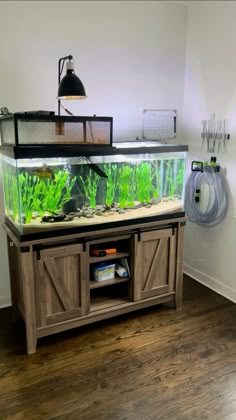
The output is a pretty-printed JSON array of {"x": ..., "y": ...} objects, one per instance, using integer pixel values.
[
  {"x": 11, "y": 190},
  {"x": 48, "y": 194}
]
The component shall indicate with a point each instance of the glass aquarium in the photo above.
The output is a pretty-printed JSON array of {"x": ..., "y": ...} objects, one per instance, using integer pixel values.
[{"x": 48, "y": 194}]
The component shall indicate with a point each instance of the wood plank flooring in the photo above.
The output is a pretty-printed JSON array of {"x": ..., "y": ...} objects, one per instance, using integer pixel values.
[{"x": 154, "y": 364}]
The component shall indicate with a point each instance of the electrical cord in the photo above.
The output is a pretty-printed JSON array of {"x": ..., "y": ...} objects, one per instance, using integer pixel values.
[{"x": 216, "y": 205}]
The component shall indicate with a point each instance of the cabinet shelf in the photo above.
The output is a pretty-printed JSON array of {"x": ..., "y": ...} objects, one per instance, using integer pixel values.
[
  {"x": 108, "y": 257},
  {"x": 96, "y": 284},
  {"x": 99, "y": 304}
]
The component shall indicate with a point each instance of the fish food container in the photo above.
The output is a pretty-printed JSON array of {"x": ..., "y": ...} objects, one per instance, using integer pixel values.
[{"x": 106, "y": 272}]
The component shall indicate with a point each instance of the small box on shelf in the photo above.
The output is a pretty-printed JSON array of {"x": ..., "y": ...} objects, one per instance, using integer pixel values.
[{"x": 104, "y": 272}]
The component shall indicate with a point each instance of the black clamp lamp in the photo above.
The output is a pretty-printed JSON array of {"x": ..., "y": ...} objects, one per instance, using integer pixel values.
[{"x": 70, "y": 87}]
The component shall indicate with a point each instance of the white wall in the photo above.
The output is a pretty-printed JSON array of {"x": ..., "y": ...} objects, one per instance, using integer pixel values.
[
  {"x": 210, "y": 87},
  {"x": 129, "y": 55}
]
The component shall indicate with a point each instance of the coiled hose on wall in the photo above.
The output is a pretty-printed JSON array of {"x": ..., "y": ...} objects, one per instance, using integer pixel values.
[{"x": 215, "y": 205}]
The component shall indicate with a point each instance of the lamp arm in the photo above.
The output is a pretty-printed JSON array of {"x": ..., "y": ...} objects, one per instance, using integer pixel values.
[{"x": 61, "y": 63}]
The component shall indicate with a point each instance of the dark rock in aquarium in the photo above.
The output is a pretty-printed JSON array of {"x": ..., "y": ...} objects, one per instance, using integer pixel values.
[
  {"x": 121, "y": 211},
  {"x": 109, "y": 213},
  {"x": 147, "y": 205},
  {"x": 156, "y": 200},
  {"x": 99, "y": 213},
  {"x": 69, "y": 218},
  {"x": 52, "y": 219},
  {"x": 79, "y": 213},
  {"x": 100, "y": 207},
  {"x": 35, "y": 215},
  {"x": 70, "y": 206},
  {"x": 85, "y": 208},
  {"x": 89, "y": 215}
]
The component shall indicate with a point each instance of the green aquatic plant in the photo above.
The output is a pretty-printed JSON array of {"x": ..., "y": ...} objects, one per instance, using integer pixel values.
[
  {"x": 111, "y": 171},
  {"x": 126, "y": 186},
  {"x": 55, "y": 193},
  {"x": 89, "y": 187},
  {"x": 174, "y": 181},
  {"x": 30, "y": 190},
  {"x": 157, "y": 179},
  {"x": 144, "y": 184},
  {"x": 178, "y": 180},
  {"x": 7, "y": 183},
  {"x": 168, "y": 175}
]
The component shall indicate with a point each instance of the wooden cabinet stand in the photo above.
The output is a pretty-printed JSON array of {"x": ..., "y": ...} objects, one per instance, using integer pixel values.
[{"x": 54, "y": 290}]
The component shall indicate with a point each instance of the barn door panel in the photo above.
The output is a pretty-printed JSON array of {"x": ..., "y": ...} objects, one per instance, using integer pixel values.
[
  {"x": 155, "y": 255},
  {"x": 62, "y": 286}
]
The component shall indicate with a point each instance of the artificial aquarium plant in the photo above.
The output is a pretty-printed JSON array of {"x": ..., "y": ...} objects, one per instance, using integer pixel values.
[
  {"x": 90, "y": 186},
  {"x": 174, "y": 176},
  {"x": 56, "y": 192},
  {"x": 112, "y": 182},
  {"x": 126, "y": 186},
  {"x": 156, "y": 170},
  {"x": 30, "y": 191},
  {"x": 179, "y": 179},
  {"x": 144, "y": 185}
]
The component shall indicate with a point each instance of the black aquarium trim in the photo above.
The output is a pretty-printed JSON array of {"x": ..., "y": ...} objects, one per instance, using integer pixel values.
[
  {"x": 56, "y": 151},
  {"x": 69, "y": 150},
  {"x": 92, "y": 228}
]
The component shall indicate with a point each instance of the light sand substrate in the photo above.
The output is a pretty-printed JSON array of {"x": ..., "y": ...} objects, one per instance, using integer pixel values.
[{"x": 155, "y": 210}]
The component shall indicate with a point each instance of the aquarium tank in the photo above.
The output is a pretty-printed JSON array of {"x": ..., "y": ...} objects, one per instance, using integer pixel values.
[
  {"x": 47, "y": 189},
  {"x": 52, "y": 193}
]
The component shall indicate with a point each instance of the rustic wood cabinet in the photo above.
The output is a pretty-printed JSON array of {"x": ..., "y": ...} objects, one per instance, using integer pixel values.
[{"x": 53, "y": 289}]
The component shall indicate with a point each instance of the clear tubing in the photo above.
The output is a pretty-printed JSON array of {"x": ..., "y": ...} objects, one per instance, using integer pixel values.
[{"x": 217, "y": 203}]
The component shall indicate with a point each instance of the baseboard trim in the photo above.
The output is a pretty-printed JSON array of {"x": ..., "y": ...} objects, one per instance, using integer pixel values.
[
  {"x": 5, "y": 301},
  {"x": 213, "y": 284}
]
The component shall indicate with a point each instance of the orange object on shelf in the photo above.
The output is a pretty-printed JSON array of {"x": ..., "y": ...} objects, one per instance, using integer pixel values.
[{"x": 103, "y": 252}]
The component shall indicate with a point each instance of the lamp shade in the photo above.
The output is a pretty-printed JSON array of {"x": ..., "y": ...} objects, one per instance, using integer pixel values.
[{"x": 71, "y": 86}]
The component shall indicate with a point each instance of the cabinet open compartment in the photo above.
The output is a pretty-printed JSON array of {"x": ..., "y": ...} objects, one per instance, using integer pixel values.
[
  {"x": 110, "y": 296},
  {"x": 123, "y": 246}
]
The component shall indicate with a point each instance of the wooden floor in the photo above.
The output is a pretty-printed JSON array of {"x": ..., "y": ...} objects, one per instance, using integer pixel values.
[{"x": 154, "y": 364}]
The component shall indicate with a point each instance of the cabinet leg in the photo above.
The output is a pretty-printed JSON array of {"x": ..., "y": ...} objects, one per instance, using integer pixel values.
[
  {"x": 179, "y": 268},
  {"x": 13, "y": 268},
  {"x": 27, "y": 277},
  {"x": 178, "y": 301},
  {"x": 31, "y": 339}
]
